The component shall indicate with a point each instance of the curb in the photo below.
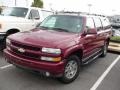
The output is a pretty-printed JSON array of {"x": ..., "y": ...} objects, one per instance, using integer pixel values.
[{"x": 113, "y": 46}]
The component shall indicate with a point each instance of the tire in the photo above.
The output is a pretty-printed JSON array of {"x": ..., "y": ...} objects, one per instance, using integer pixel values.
[
  {"x": 104, "y": 50},
  {"x": 71, "y": 69},
  {"x": 3, "y": 44},
  {"x": 4, "y": 41}
]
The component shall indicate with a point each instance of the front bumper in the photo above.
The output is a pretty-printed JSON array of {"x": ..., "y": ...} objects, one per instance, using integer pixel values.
[{"x": 55, "y": 69}]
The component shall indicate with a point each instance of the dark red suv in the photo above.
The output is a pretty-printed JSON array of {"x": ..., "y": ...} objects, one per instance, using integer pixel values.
[{"x": 60, "y": 45}]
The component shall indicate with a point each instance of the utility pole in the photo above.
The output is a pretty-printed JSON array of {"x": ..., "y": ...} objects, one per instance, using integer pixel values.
[
  {"x": 26, "y": 3},
  {"x": 15, "y": 2}
]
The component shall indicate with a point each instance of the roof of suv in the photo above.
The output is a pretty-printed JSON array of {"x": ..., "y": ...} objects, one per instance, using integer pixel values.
[{"x": 85, "y": 14}]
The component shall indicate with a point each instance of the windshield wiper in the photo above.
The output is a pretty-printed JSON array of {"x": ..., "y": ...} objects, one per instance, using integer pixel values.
[
  {"x": 60, "y": 29},
  {"x": 43, "y": 27},
  {"x": 13, "y": 15}
]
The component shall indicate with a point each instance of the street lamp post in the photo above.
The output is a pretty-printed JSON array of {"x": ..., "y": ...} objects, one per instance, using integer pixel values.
[
  {"x": 113, "y": 11},
  {"x": 50, "y": 5},
  {"x": 89, "y": 8}
]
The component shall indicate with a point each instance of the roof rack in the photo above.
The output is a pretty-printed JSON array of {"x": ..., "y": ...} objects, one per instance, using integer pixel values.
[{"x": 72, "y": 12}]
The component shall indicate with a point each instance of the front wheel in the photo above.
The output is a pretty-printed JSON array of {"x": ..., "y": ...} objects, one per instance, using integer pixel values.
[{"x": 71, "y": 70}]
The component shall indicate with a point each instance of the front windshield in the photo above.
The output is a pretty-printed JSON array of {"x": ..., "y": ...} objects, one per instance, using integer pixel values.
[
  {"x": 14, "y": 11},
  {"x": 65, "y": 23}
]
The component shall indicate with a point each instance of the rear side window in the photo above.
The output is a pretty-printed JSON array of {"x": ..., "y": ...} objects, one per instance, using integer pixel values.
[
  {"x": 106, "y": 23},
  {"x": 90, "y": 23},
  {"x": 98, "y": 23},
  {"x": 34, "y": 14}
]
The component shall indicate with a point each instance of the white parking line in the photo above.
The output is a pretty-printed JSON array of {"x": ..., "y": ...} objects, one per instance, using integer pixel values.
[
  {"x": 6, "y": 66},
  {"x": 101, "y": 78}
]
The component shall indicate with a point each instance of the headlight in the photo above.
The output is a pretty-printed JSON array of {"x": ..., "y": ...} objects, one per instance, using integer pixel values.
[
  {"x": 51, "y": 50},
  {"x": 8, "y": 41}
]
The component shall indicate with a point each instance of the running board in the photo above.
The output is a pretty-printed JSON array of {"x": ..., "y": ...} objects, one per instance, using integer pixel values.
[{"x": 92, "y": 58}]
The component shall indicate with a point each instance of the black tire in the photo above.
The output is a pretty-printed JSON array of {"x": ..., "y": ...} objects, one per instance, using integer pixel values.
[
  {"x": 4, "y": 41},
  {"x": 72, "y": 59},
  {"x": 104, "y": 49},
  {"x": 3, "y": 44}
]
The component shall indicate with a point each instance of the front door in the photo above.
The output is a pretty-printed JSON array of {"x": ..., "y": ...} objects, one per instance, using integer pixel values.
[
  {"x": 33, "y": 19},
  {"x": 89, "y": 40}
]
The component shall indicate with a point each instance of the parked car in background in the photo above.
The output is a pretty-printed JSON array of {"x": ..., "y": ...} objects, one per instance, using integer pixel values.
[
  {"x": 115, "y": 31},
  {"x": 115, "y": 20},
  {"x": 60, "y": 45},
  {"x": 19, "y": 19},
  {"x": 115, "y": 23}
]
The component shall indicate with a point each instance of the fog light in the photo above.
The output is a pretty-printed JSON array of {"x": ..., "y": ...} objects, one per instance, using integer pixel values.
[{"x": 47, "y": 74}]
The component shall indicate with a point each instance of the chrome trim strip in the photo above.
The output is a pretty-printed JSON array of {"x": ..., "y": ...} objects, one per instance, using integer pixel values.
[
  {"x": 90, "y": 56},
  {"x": 2, "y": 32}
]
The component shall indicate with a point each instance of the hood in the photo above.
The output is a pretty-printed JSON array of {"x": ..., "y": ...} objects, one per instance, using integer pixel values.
[
  {"x": 44, "y": 38},
  {"x": 10, "y": 19}
]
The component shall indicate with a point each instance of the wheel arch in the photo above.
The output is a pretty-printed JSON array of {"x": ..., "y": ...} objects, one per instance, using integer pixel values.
[
  {"x": 75, "y": 51},
  {"x": 107, "y": 40},
  {"x": 12, "y": 31}
]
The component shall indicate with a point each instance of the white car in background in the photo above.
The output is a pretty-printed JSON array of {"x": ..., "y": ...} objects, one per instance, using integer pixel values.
[
  {"x": 116, "y": 32},
  {"x": 19, "y": 19}
]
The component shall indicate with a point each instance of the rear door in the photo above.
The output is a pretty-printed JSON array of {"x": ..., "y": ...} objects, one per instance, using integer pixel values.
[{"x": 100, "y": 32}]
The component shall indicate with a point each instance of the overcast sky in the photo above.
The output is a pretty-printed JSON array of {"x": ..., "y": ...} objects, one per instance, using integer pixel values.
[{"x": 108, "y": 7}]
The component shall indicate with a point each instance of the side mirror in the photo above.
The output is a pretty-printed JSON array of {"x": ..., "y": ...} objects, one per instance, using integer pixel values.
[
  {"x": 38, "y": 24},
  {"x": 36, "y": 18},
  {"x": 91, "y": 31}
]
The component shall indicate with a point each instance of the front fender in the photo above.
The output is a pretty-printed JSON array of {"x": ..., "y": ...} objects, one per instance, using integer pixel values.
[{"x": 72, "y": 49}]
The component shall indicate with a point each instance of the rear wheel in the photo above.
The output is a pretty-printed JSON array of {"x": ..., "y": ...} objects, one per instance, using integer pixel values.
[
  {"x": 71, "y": 70},
  {"x": 104, "y": 50}
]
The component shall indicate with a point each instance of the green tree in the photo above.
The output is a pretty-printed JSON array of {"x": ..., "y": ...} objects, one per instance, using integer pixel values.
[
  {"x": 37, "y": 3},
  {"x": 0, "y": 9}
]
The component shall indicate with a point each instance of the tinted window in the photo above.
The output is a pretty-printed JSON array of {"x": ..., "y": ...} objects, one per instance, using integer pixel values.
[
  {"x": 90, "y": 23},
  {"x": 34, "y": 14},
  {"x": 106, "y": 23},
  {"x": 15, "y": 11},
  {"x": 60, "y": 22},
  {"x": 98, "y": 23}
]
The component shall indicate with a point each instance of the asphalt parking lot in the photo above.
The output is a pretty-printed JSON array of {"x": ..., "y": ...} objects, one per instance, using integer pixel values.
[{"x": 12, "y": 78}]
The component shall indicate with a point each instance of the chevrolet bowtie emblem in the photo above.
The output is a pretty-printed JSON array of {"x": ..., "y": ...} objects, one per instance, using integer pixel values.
[{"x": 21, "y": 50}]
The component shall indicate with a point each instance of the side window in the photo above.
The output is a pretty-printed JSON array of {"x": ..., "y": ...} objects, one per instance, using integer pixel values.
[
  {"x": 34, "y": 14},
  {"x": 98, "y": 23},
  {"x": 106, "y": 23},
  {"x": 90, "y": 23}
]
